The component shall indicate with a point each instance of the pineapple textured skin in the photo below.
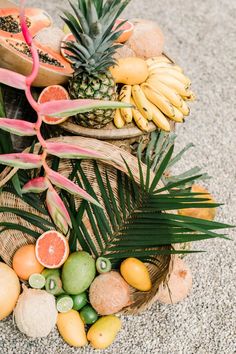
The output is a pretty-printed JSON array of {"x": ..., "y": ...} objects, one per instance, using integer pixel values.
[{"x": 100, "y": 87}]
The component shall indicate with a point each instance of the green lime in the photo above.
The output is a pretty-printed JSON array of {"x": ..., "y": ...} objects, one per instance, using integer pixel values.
[
  {"x": 88, "y": 315},
  {"x": 48, "y": 272},
  {"x": 103, "y": 265},
  {"x": 64, "y": 303},
  {"x": 37, "y": 281},
  {"x": 79, "y": 301}
]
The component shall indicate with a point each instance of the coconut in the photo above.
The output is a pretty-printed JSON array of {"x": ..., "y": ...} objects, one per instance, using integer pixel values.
[
  {"x": 124, "y": 52},
  {"x": 178, "y": 285},
  {"x": 51, "y": 37},
  {"x": 109, "y": 293},
  {"x": 147, "y": 39},
  {"x": 35, "y": 313}
]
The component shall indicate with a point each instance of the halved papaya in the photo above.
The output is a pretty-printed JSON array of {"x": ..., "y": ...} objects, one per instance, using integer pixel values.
[
  {"x": 36, "y": 20},
  {"x": 15, "y": 55}
]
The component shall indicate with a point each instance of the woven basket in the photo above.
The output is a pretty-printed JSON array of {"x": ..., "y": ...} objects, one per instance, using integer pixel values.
[{"x": 11, "y": 240}]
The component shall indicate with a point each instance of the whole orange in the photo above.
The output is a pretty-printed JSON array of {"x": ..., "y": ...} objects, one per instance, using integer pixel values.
[{"x": 25, "y": 262}]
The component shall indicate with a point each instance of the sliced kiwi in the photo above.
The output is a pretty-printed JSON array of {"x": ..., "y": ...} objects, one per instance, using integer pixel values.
[
  {"x": 103, "y": 265},
  {"x": 54, "y": 285}
]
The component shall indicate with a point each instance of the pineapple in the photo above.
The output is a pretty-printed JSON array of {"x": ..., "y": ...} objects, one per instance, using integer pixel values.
[{"x": 92, "y": 54}]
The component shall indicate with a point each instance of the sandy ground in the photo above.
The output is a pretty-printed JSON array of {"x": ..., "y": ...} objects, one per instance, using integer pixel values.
[{"x": 200, "y": 35}]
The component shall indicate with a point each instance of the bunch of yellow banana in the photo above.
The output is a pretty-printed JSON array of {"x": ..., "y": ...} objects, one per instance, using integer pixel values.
[{"x": 162, "y": 96}]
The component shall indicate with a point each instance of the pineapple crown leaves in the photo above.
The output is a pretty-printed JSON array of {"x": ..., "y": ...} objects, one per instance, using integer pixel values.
[
  {"x": 92, "y": 25},
  {"x": 63, "y": 108}
]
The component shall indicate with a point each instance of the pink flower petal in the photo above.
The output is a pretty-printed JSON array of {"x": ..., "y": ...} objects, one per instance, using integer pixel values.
[
  {"x": 65, "y": 150},
  {"x": 21, "y": 160},
  {"x": 36, "y": 185},
  {"x": 17, "y": 126},
  {"x": 10, "y": 78}
]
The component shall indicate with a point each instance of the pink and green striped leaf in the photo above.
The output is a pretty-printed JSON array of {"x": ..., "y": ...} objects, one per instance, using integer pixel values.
[
  {"x": 70, "y": 151},
  {"x": 17, "y": 126},
  {"x": 64, "y": 183},
  {"x": 10, "y": 78},
  {"x": 58, "y": 211},
  {"x": 36, "y": 185},
  {"x": 21, "y": 160},
  {"x": 67, "y": 108}
]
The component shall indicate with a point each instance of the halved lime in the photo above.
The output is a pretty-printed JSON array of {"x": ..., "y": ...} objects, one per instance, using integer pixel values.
[
  {"x": 64, "y": 303},
  {"x": 79, "y": 301},
  {"x": 37, "y": 281}
]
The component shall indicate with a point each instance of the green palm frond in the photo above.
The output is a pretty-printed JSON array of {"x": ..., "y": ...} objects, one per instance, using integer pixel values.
[{"x": 136, "y": 222}]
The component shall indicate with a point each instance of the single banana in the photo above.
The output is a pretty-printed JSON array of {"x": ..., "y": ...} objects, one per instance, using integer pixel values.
[
  {"x": 156, "y": 66},
  {"x": 118, "y": 119},
  {"x": 158, "y": 100},
  {"x": 160, "y": 59},
  {"x": 158, "y": 118},
  {"x": 179, "y": 117},
  {"x": 125, "y": 96},
  {"x": 174, "y": 73},
  {"x": 139, "y": 119},
  {"x": 184, "y": 108},
  {"x": 180, "y": 88},
  {"x": 165, "y": 90},
  {"x": 141, "y": 102}
]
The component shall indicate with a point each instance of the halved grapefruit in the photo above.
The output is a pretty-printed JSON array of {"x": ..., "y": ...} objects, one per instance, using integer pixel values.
[
  {"x": 53, "y": 93},
  {"x": 15, "y": 55},
  {"x": 52, "y": 249},
  {"x": 65, "y": 52},
  {"x": 36, "y": 20},
  {"x": 127, "y": 27}
]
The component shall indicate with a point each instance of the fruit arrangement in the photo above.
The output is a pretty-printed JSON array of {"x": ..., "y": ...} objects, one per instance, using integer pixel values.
[
  {"x": 73, "y": 291},
  {"x": 97, "y": 238}
]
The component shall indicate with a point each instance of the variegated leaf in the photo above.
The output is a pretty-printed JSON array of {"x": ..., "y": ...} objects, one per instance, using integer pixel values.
[
  {"x": 17, "y": 127},
  {"x": 21, "y": 160},
  {"x": 64, "y": 183},
  {"x": 58, "y": 211},
  {"x": 67, "y": 108},
  {"x": 10, "y": 78},
  {"x": 70, "y": 151},
  {"x": 36, "y": 185}
]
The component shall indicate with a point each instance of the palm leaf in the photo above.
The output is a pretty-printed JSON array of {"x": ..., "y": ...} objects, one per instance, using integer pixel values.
[{"x": 134, "y": 222}]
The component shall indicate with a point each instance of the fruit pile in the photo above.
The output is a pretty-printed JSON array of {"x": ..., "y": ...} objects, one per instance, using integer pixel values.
[
  {"x": 73, "y": 291},
  {"x": 77, "y": 293}
]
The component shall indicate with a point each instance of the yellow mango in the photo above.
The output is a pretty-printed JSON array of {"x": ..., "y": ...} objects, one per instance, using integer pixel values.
[
  {"x": 136, "y": 274},
  {"x": 130, "y": 71},
  {"x": 71, "y": 328},
  {"x": 103, "y": 332}
]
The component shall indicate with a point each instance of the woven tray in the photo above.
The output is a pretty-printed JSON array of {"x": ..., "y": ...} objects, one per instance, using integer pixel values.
[{"x": 11, "y": 240}]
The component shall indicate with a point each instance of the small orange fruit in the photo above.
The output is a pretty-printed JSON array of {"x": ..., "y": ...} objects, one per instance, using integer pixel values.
[
  {"x": 52, "y": 249},
  {"x": 25, "y": 262}
]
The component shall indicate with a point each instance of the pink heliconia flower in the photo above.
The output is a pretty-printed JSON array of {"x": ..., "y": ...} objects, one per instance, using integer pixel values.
[
  {"x": 17, "y": 126},
  {"x": 36, "y": 185},
  {"x": 58, "y": 211},
  {"x": 66, "y": 150},
  {"x": 21, "y": 160},
  {"x": 67, "y": 108},
  {"x": 10, "y": 78},
  {"x": 64, "y": 183}
]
